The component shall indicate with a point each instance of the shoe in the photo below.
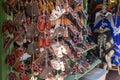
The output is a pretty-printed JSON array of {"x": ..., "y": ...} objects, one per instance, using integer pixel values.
[
  {"x": 47, "y": 24},
  {"x": 36, "y": 67},
  {"x": 30, "y": 32},
  {"x": 4, "y": 26},
  {"x": 7, "y": 43},
  {"x": 75, "y": 21},
  {"x": 33, "y": 48},
  {"x": 56, "y": 13},
  {"x": 47, "y": 41},
  {"x": 19, "y": 18},
  {"x": 57, "y": 65},
  {"x": 24, "y": 76},
  {"x": 32, "y": 10},
  {"x": 12, "y": 76},
  {"x": 46, "y": 72},
  {"x": 41, "y": 43},
  {"x": 19, "y": 52},
  {"x": 20, "y": 67},
  {"x": 10, "y": 59},
  {"x": 75, "y": 3},
  {"x": 17, "y": 34},
  {"x": 9, "y": 8},
  {"x": 21, "y": 39},
  {"x": 11, "y": 1},
  {"x": 8, "y": 26},
  {"x": 33, "y": 78},
  {"x": 41, "y": 23},
  {"x": 6, "y": 8}
]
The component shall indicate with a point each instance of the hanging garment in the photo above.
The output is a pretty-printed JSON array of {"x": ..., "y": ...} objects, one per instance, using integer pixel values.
[
  {"x": 109, "y": 21},
  {"x": 103, "y": 28},
  {"x": 116, "y": 37}
]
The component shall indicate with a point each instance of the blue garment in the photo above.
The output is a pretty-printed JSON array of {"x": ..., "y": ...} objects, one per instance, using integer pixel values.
[
  {"x": 116, "y": 37},
  {"x": 106, "y": 22},
  {"x": 115, "y": 32}
]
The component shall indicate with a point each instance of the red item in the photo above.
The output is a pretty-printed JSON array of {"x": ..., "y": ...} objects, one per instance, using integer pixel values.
[
  {"x": 10, "y": 59},
  {"x": 12, "y": 76},
  {"x": 47, "y": 42},
  {"x": 47, "y": 23},
  {"x": 41, "y": 23},
  {"x": 7, "y": 26},
  {"x": 20, "y": 67},
  {"x": 24, "y": 76},
  {"x": 19, "y": 52},
  {"x": 41, "y": 43},
  {"x": 7, "y": 43},
  {"x": 10, "y": 28},
  {"x": 4, "y": 27},
  {"x": 37, "y": 67}
]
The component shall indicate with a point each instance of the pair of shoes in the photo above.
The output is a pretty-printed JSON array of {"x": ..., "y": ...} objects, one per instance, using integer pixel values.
[
  {"x": 57, "y": 65},
  {"x": 32, "y": 10},
  {"x": 57, "y": 13},
  {"x": 77, "y": 69},
  {"x": 43, "y": 23},
  {"x": 36, "y": 67},
  {"x": 24, "y": 76},
  {"x": 44, "y": 40},
  {"x": 12, "y": 76},
  {"x": 59, "y": 50},
  {"x": 20, "y": 66},
  {"x": 9, "y": 7},
  {"x": 10, "y": 59},
  {"x": 7, "y": 26}
]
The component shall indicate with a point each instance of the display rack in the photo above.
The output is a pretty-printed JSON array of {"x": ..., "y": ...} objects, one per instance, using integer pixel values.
[
  {"x": 92, "y": 47},
  {"x": 78, "y": 75}
]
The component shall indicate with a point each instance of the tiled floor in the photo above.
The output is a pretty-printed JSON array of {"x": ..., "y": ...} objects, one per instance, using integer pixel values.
[{"x": 113, "y": 75}]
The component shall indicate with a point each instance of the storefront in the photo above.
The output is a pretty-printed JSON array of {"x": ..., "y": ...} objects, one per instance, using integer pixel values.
[{"x": 59, "y": 39}]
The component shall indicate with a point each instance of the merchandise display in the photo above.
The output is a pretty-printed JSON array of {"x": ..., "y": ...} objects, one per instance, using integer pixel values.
[
  {"x": 40, "y": 48},
  {"x": 105, "y": 28},
  {"x": 59, "y": 39}
]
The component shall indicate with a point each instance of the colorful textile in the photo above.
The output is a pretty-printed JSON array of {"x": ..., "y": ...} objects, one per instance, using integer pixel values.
[
  {"x": 116, "y": 37},
  {"x": 115, "y": 32}
]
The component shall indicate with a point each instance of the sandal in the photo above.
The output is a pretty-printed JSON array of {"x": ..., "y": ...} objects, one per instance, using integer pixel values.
[
  {"x": 12, "y": 76},
  {"x": 10, "y": 59},
  {"x": 41, "y": 23},
  {"x": 7, "y": 43},
  {"x": 24, "y": 76},
  {"x": 57, "y": 13},
  {"x": 41, "y": 40}
]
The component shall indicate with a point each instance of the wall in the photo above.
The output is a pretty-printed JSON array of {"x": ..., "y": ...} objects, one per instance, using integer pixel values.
[{"x": 4, "y": 69}]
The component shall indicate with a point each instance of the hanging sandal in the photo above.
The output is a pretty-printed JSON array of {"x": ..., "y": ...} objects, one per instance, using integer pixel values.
[
  {"x": 12, "y": 76},
  {"x": 57, "y": 13},
  {"x": 41, "y": 23},
  {"x": 24, "y": 76},
  {"x": 7, "y": 43}
]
